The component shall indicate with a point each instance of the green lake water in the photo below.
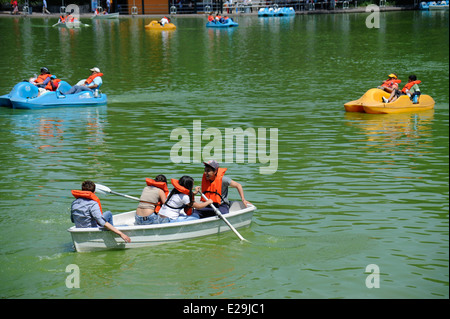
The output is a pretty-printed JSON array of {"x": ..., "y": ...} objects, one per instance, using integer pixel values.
[{"x": 335, "y": 191}]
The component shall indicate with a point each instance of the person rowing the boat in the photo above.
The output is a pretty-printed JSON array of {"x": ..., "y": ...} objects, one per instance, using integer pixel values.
[
  {"x": 152, "y": 198},
  {"x": 215, "y": 186},
  {"x": 86, "y": 211},
  {"x": 93, "y": 82},
  {"x": 180, "y": 202}
]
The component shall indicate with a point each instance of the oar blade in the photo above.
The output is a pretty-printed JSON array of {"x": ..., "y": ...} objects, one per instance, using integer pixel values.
[{"x": 102, "y": 189}]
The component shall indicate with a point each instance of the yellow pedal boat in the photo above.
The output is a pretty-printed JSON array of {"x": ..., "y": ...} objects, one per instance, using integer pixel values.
[
  {"x": 154, "y": 25},
  {"x": 372, "y": 102}
]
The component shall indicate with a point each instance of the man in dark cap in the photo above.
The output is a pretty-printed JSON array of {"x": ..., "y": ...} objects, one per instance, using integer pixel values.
[{"x": 215, "y": 186}]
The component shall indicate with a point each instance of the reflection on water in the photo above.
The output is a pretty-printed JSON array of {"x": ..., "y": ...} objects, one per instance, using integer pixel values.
[{"x": 395, "y": 129}]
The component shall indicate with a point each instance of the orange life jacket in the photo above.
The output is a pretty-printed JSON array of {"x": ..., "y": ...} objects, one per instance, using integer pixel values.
[
  {"x": 92, "y": 77},
  {"x": 183, "y": 190},
  {"x": 409, "y": 85},
  {"x": 390, "y": 83},
  {"x": 213, "y": 189},
  {"x": 160, "y": 185},
  {"x": 210, "y": 18},
  {"x": 62, "y": 19},
  {"x": 42, "y": 78},
  {"x": 52, "y": 85},
  {"x": 87, "y": 195}
]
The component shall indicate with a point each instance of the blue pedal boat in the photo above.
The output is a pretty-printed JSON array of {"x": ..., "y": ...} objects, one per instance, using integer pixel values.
[
  {"x": 24, "y": 95},
  {"x": 227, "y": 24}
]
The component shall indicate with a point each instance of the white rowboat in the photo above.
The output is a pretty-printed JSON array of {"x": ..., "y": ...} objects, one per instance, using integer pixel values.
[
  {"x": 93, "y": 239},
  {"x": 114, "y": 15}
]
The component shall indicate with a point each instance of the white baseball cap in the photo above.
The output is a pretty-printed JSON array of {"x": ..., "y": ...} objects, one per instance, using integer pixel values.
[{"x": 95, "y": 70}]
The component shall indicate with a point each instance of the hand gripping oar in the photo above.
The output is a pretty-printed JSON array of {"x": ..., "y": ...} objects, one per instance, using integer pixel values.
[
  {"x": 106, "y": 190},
  {"x": 218, "y": 213}
]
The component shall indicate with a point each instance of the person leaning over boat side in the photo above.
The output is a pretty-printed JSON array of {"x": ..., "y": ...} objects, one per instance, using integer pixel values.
[
  {"x": 391, "y": 84},
  {"x": 179, "y": 203},
  {"x": 215, "y": 186},
  {"x": 93, "y": 82},
  {"x": 411, "y": 89},
  {"x": 152, "y": 198},
  {"x": 86, "y": 211}
]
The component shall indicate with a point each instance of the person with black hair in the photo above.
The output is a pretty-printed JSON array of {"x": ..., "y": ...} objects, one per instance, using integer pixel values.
[
  {"x": 152, "y": 197},
  {"x": 179, "y": 203}
]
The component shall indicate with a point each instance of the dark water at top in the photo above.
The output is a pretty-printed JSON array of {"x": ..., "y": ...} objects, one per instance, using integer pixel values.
[{"x": 345, "y": 191}]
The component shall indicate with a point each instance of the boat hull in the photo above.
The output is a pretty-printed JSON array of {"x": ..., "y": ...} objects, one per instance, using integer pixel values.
[
  {"x": 70, "y": 25},
  {"x": 24, "y": 95},
  {"x": 94, "y": 239},
  {"x": 114, "y": 15},
  {"x": 372, "y": 102},
  {"x": 154, "y": 25},
  {"x": 5, "y": 100}
]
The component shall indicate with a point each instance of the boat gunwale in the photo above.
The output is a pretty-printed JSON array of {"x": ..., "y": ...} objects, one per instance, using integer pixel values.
[{"x": 74, "y": 229}]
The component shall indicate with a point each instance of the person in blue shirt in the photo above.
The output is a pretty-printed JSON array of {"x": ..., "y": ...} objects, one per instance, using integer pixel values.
[
  {"x": 93, "y": 82},
  {"x": 86, "y": 211}
]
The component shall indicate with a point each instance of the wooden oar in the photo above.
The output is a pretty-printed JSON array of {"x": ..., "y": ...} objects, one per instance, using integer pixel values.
[
  {"x": 218, "y": 213},
  {"x": 106, "y": 190}
]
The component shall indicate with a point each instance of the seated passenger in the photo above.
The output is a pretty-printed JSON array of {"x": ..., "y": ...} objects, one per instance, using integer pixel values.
[
  {"x": 93, "y": 82},
  {"x": 42, "y": 79},
  {"x": 179, "y": 204},
  {"x": 86, "y": 211},
  {"x": 390, "y": 84},
  {"x": 164, "y": 21},
  {"x": 52, "y": 85},
  {"x": 151, "y": 200}
]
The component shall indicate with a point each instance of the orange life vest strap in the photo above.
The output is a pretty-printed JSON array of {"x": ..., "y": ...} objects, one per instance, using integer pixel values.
[
  {"x": 160, "y": 185},
  {"x": 92, "y": 77},
  {"x": 87, "y": 195},
  {"x": 409, "y": 85},
  {"x": 390, "y": 82},
  {"x": 178, "y": 187}
]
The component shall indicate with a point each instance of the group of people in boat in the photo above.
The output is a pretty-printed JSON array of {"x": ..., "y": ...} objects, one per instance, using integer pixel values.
[
  {"x": 47, "y": 82},
  {"x": 157, "y": 205},
  {"x": 391, "y": 85},
  {"x": 68, "y": 17},
  {"x": 218, "y": 18}
]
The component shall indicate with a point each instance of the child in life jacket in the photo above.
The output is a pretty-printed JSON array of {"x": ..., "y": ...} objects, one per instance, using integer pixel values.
[
  {"x": 179, "y": 203},
  {"x": 411, "y": 89},
  {"x": 152, "y": 198}
]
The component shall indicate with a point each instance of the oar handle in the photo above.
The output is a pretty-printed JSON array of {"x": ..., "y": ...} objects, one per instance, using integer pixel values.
[{"x": 218, "y": 213}]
